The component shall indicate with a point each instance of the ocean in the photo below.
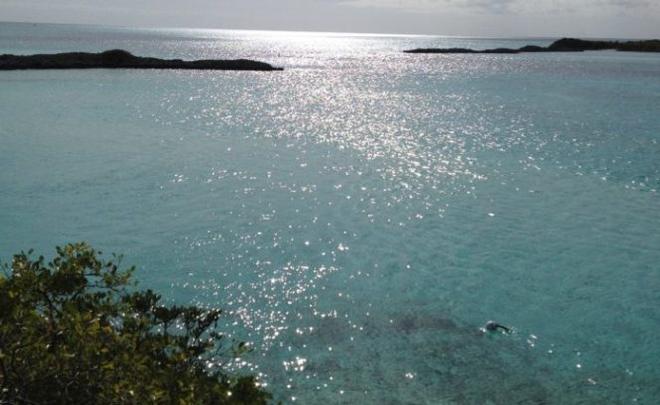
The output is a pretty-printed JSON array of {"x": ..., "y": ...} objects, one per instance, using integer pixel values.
[{"x": 363, "y": 213}]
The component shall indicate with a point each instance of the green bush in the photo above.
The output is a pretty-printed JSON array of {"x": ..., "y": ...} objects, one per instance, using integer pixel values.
[{"x": 76, "y": 331}]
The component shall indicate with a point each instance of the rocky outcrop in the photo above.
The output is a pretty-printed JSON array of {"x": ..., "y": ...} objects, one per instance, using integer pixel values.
[
  {"x": 562, "y": 45},
  {"x": 120, "y": 59},
  {"x": 579, "y": 45}
]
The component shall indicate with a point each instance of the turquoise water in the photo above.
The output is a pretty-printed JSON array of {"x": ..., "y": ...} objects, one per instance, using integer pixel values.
[{"x": 364, "y": 212}]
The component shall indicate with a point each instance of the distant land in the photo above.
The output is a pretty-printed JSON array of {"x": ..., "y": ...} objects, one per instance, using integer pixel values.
[
  {"x": 562, "y": 45},
  {"x": 120, "y": 59}
]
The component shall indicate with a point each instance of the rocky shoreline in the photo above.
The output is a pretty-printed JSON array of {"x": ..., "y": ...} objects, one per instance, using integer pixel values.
[
  {"x": 562, "y": 45},
  {"x": 120, "y": 59}
]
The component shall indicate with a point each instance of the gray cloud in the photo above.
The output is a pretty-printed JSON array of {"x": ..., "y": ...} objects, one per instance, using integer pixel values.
[
  {"x": 594, "y": 18},
  {"x": 500, "y": 6}
]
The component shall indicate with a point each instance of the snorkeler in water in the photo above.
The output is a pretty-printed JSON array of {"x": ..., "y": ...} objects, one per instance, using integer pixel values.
[{"x": 492, "y": 326}]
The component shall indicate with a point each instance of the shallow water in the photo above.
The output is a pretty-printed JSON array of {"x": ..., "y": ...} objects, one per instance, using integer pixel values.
[{"x": 364, "y": 212}]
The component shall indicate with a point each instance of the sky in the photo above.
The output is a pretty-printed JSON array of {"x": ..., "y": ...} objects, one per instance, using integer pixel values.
[{"x": 487, "y": 18}]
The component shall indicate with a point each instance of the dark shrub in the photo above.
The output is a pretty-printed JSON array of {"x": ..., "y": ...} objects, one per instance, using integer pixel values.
[{"x": 73, "y": 331}]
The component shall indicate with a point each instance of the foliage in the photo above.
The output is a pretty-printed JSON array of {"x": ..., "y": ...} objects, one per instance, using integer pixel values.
[{"x": 74, "y": 330}]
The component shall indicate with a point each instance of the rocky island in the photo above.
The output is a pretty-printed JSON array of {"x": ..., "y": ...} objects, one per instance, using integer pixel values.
[
  {"x": 562, "y": 45},
  {"x": 120, "y": 59}
]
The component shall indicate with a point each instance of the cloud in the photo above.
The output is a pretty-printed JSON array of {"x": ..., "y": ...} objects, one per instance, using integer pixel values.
[
  {"x": 436, "y": 5},
  {"x": 587, "y": 18},
  {"x": 502, "y": 6}
]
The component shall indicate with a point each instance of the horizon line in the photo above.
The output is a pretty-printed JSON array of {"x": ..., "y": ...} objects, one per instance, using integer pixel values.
[{"x": 340, "y": 33}]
